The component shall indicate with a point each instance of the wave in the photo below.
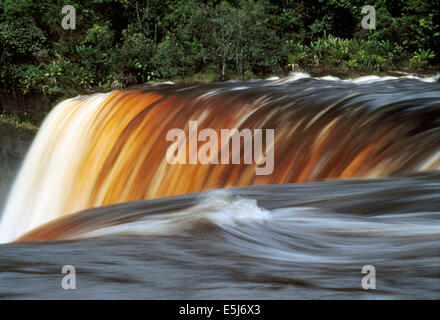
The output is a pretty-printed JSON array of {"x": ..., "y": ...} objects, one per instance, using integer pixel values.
[
  {"x": 304, "y": 240},
  {"x": 345, "y": 208}
]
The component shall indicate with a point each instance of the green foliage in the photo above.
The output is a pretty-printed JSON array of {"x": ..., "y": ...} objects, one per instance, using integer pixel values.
[
  {"x": 119, "y": 43},
  {"x": 424, "y": 54},
  {"x": 13, "y": 119},
  {"x": 421, "y": 58}
]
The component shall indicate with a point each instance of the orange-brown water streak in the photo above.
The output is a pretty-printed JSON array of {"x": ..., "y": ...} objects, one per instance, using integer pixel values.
[{"x": 107, "y": 149}]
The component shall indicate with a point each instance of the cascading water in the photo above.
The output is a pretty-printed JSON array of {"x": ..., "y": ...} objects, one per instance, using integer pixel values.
[
  {"x": 110, "y": 148},
  {"x": 355, "y": 181}
]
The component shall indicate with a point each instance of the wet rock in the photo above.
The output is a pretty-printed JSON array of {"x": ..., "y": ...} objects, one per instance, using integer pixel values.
[{"x": 14, "y": 143}]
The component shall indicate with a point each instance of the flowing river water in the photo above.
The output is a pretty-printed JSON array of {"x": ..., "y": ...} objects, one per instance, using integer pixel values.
[{"x": 355, "y": 183}]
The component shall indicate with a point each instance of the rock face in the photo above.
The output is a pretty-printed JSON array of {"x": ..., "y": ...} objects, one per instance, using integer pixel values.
[
  {"x": 14, "y": 142},
  {"x": 32, "y": 107}
]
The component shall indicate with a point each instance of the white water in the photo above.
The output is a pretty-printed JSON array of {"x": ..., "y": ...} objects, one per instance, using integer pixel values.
[
  {"x": 219, "y": 208},
  {"x": 294, "y": 76},
  {"x": 37, "y": 195}
]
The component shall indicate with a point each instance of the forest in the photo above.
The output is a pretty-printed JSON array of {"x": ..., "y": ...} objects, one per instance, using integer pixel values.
[{"x": 119, "y": 43}]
